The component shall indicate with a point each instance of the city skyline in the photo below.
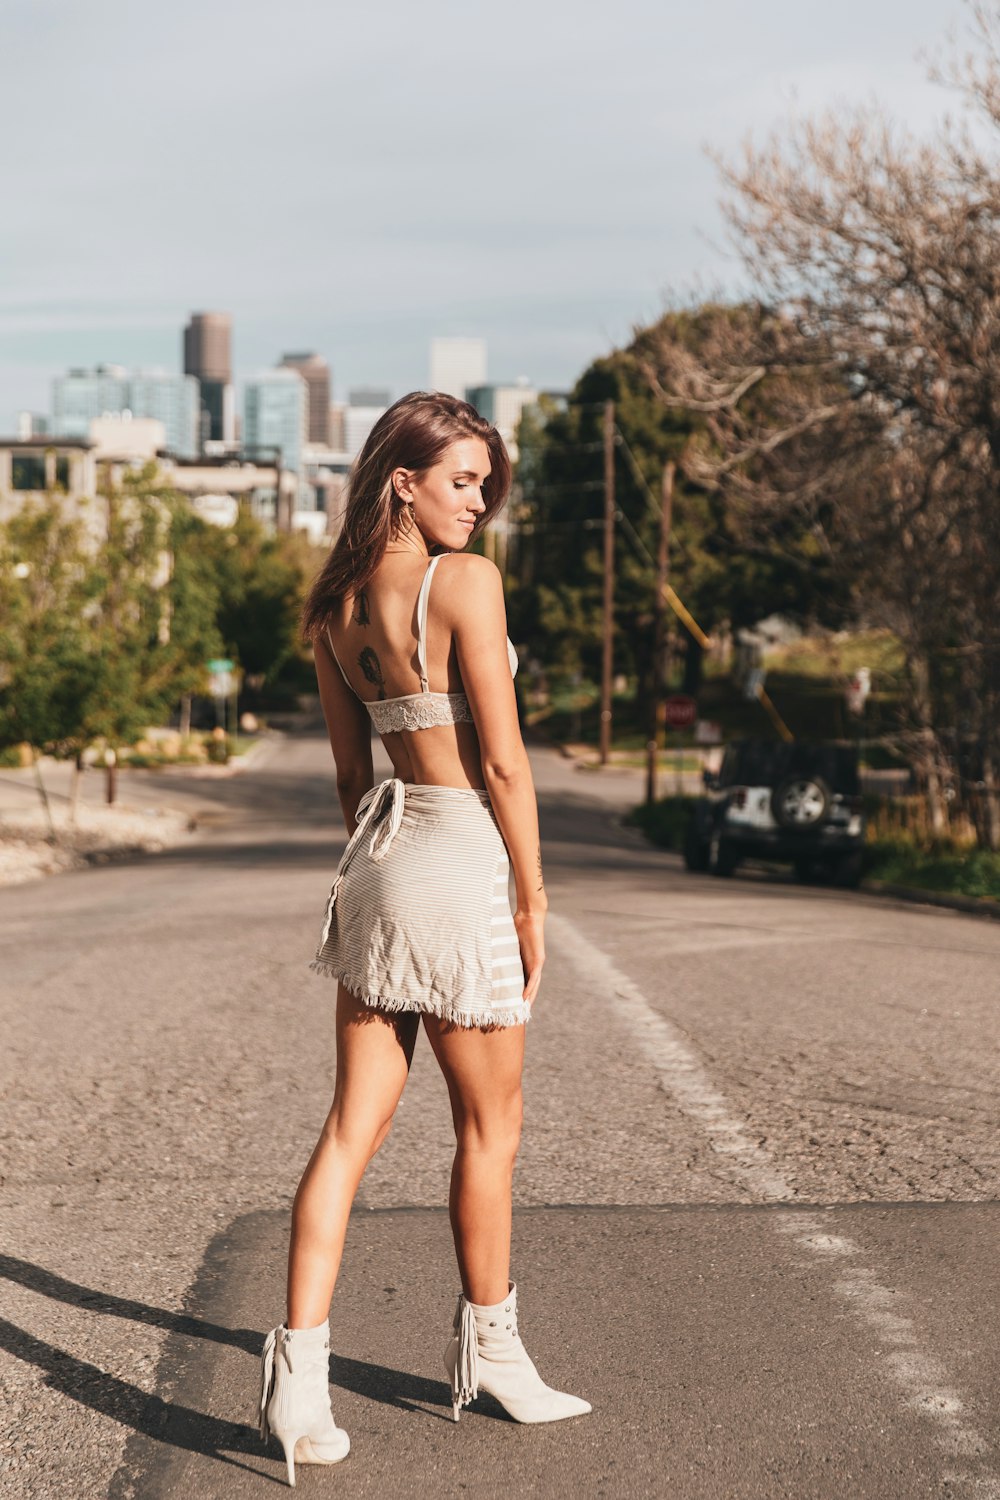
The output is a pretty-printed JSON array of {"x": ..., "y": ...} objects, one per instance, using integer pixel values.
[{"x": 600, "y": 213}]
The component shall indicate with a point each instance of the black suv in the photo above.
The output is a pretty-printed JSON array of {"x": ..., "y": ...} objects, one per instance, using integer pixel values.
[{"x": 798, "y": 802}]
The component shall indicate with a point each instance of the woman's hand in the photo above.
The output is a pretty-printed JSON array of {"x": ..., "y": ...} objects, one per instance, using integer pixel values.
[{"x": 529, "y": 927}]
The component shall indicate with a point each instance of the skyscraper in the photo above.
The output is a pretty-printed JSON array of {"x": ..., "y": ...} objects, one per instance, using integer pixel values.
[
  {"x": 316, "y": 373},
  {"x": 457, "y": 364},
  {"x": 369, "y": 395},
  {"x": 82, "y": 396},
  {"x": 275, "y": 415},
  {"x": 208, "y": 356},
  {"x": 172, "y": 400},
  {"x": 502, "y": 405}
]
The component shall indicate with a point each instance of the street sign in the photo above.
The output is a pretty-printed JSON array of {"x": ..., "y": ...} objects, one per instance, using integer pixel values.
[
  {"x": 219, "y": 664},
  {"x": 221, "y": 684},
  {"x": 680, "y": 711}
]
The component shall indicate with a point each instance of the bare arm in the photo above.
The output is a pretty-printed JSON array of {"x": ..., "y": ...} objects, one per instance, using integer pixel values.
[
  {"x": 474, "y": 601},
  {"x": 350, "y": 734}
]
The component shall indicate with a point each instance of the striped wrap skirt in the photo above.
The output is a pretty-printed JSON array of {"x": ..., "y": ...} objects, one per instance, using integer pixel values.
[{"x": 419, "y": 918}]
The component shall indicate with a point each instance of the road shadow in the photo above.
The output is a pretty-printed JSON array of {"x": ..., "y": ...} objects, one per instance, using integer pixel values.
[
  {"x": 150, "y": 1416},
  {"x": 176, "y": 1424},
  {"x": 49, "y": 1284}
]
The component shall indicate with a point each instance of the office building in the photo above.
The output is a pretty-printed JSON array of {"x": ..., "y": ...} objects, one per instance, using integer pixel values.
[
  {"x": 276, "y": 417},
  {"x": 369, "y": 395},
  {"x": 125, "y": 439},
  {"x": 81, "y": 395},
  {"x": 457, "y": 364},
  {"x": 208, "y": 357},
  {"x": 30, "y": 424},
  {"x": 502, "y": 405},
  {"x": 84, "y": 396},
  {"x": 35, "y": 465},
  {"x": 316, "y": 373},
  {"x": 172, "y": 400},
  {"x": 358, "y": 423},
  {"x": 338, "y": 427}
]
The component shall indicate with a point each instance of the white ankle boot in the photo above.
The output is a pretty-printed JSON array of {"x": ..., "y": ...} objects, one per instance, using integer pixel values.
[
  {"x": 486, "y": 1354},
  {"x": 295, "y": 1397}
]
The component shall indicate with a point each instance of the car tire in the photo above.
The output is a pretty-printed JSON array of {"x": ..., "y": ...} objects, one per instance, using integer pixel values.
[
  {"x": 695, "y": 852},
  {"x": 721, "y": 859},
  {"x": 800, "y": 803}
]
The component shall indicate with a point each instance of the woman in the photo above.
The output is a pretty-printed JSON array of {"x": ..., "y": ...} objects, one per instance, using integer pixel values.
[{"x": 418, "y": 925}]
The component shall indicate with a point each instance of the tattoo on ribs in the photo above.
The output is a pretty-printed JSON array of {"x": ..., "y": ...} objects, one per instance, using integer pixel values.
[{"x": 372, "y": 668}]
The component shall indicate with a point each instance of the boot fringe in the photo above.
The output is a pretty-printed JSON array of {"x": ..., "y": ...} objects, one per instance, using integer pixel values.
[
  {"x": 465, "y": 1382},
  {"x": 511, "y": 1015},
  {"x": 267, "y": 1381}
]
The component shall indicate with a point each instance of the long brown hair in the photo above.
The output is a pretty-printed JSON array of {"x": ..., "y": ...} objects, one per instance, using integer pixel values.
[{"x": 412, "y": 434}]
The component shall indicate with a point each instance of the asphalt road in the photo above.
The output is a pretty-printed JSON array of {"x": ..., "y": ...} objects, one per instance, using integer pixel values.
[{"x": 756, "y": 1201}]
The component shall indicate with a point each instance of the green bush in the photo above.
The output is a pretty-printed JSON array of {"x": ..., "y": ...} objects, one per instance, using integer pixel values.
[{"x": 663, "y": 822}]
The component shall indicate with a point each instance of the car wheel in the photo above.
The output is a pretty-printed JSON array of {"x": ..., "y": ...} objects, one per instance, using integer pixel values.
[
  {"x": 721, "y": 859},
  {"x": 800, "y": 802},
  {"x": 695, "y": 850}
]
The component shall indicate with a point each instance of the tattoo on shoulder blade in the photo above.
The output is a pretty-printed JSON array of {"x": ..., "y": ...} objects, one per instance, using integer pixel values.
[
  {"x": 361, "y": 613},
  {"x": 372, "y": 669}
]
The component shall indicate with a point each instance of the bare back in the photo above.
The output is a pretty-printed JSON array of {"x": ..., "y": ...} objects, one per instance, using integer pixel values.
[{"x": 375, "y": 637}]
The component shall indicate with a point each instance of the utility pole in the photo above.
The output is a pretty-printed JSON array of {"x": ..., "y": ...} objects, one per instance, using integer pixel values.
[
  {"x": 609, "y": 576},
  {"x": 657, "y": 707}
]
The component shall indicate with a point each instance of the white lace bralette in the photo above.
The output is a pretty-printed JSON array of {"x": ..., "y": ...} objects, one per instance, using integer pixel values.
[{"x": 423, "y": 710}]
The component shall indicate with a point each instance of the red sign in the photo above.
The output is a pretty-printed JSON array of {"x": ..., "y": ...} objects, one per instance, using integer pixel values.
[{"x": 680, "y": 712}]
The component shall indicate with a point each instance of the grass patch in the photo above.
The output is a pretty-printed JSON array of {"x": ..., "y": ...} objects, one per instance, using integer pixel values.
[{"x": 945, "y": 870}]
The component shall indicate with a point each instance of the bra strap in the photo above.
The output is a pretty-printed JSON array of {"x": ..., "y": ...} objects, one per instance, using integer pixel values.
[
  {"x": 422, "y": 597},
  {"x": 337, "y": 660}
]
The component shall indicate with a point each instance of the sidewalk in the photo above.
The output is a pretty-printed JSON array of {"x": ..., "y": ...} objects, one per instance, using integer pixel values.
[{"x": 152, "y": 813}]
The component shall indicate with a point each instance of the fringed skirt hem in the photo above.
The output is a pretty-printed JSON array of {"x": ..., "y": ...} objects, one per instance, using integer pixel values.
[{"x": 490, "y": 1015}]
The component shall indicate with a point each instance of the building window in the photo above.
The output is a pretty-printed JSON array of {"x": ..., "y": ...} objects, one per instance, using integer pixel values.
[
  {"x": 62, "y": 473},
  {"x": 27, "y": 471}
]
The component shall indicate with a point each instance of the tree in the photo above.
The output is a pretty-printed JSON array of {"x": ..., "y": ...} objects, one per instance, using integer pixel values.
[
  {"x": 724, "y": 575},
  {"x": 101, "y": 634},
  {"x": 261, "y": 580},
  {"x": 47, "y": 675},
  {"x": 876, "y": 337},
  {"x": 152, "y": 624}
]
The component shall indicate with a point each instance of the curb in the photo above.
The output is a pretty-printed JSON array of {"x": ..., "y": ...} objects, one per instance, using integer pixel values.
[{"x": 972, "y": 906}]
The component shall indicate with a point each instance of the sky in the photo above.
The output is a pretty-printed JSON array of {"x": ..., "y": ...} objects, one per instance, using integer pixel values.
[{"x": 356, "y": 178}]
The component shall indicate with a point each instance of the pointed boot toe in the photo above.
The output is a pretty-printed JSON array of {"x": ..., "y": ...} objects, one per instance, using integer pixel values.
[{"x": 486, "y": 1354}]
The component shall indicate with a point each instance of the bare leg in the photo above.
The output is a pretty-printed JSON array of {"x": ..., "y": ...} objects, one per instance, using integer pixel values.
[
  {"x": 374, "y": 1051},
  {"x": 483, "y": 1073}
]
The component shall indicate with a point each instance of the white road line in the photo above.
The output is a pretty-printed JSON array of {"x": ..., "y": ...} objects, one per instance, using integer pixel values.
[{"x": 920, "y": 1379}]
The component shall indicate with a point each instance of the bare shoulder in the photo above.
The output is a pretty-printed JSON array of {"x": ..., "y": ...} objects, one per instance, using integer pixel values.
[{"x": 467, "y": 581}]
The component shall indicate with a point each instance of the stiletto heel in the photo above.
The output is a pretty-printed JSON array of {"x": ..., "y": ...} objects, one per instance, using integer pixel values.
[
  {"x": 288, "y": 1444},
  {"x": 486, "y": 1353},
  {"x": 295, "y": 1397}
]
